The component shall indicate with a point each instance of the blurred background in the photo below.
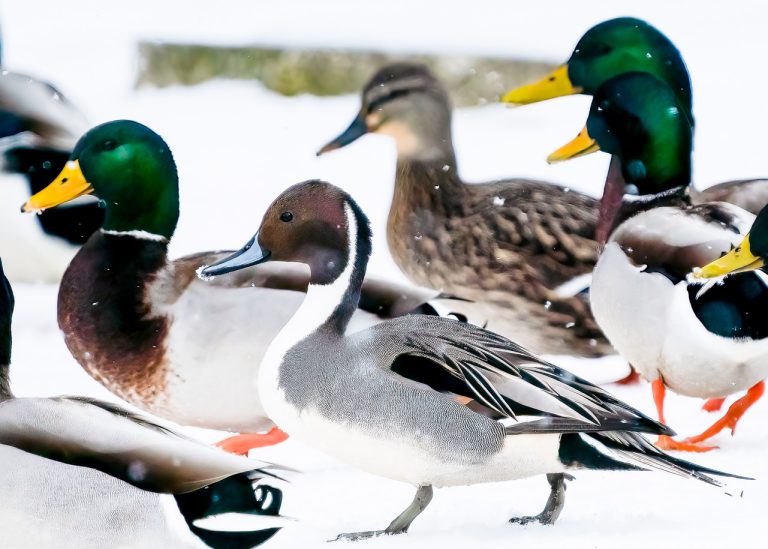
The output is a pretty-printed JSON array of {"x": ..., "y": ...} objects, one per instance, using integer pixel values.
[{"x": 245, "y": 92}]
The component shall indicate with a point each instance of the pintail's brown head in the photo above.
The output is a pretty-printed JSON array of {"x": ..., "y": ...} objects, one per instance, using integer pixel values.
[
  {"x": 404, "y": 101},
  {"x": 314, "y": 223}
]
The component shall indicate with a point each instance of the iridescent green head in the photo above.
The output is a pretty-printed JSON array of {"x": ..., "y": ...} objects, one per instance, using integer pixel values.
[
  {"x": 130, "y": 168},
  {"x": 613, "y": 47},
  {"x": 638, "y": 118}
]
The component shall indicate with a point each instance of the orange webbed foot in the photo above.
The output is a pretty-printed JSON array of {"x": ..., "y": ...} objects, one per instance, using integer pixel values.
[
  {"x": 243, "y": 443},
  {"x": 667, "y": 443},
  {"x": 632, "y": 378},
  {"x": 733, "y": 415},
  {"x": 713, "y": 404}
]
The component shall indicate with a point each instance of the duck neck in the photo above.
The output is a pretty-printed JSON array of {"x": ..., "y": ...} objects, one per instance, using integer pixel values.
[
  {"x": 427, "y": 184},
  {"x": 328, "y": 307}
]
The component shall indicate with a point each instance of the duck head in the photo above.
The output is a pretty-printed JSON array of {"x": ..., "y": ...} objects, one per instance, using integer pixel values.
[
  {"x": 613, "y": 47},
  {"x": 751, "y": 254},
  {"x": 130, "y": 168},
  {"x": 637, "y": 119},
  {"x": 308, "y": 223},
  {"x": 404, "y": 101},
  {"x": 6, "y": 313}
]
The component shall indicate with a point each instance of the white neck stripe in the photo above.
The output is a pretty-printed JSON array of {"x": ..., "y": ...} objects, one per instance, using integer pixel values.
[
  {"x": 321, "y": 299},
  {"x": 142, "y": 235}
]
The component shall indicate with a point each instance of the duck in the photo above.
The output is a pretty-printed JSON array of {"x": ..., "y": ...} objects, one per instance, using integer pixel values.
[
  {"x": 629, "y": 44},
  {"x": 709, "y": 345},
  {"x": 86, "y": 474},
  {"x": 39, "y": 126},
  {"x": 522, "y": 248},
  {"x": 425, "y": 400},
  {"x": 145, "y": 326}
]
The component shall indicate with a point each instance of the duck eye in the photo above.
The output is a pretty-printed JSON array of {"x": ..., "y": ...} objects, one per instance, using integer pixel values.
[
  {"x": 286, "y": 217},
  {"x": 109, "y": 144}
]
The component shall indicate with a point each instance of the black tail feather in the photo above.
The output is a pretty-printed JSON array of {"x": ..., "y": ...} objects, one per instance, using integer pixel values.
[{"x": 242, "y": 493}]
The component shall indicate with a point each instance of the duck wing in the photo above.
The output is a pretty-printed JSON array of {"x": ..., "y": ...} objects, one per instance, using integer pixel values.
[
  {"x": 672, "y": 241},
  {"x": 502, "y": 376},
  {"x": 116, "y": 441},
  {"x": 748, "y": 194}
]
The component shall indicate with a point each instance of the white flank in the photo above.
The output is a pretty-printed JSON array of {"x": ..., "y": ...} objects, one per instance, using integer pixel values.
[{"x": 654, "y": 327}]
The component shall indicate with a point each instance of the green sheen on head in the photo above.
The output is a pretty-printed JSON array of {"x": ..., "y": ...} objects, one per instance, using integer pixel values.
[
  {"x": 132, "y": 170},
  {"x": 627, "y": 44},
  {"x": 638, "y": 118},
  {"x": 758, "y": 234}
]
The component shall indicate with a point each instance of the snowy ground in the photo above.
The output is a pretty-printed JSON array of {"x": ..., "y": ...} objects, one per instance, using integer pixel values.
[{"x": 238, "y": 146}]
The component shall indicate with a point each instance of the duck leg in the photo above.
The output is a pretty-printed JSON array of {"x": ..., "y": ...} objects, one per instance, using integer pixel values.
[
  {"x": 555, "y": 501},
  {"x": 666, "y": 442},
  {"x": 733, "y": 415},
  {"x": 241, "y": 444},
  {"x": 403, "y": 521}
]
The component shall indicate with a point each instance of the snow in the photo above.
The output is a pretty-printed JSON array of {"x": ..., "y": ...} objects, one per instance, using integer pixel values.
[{"x": 238, "y": 145}]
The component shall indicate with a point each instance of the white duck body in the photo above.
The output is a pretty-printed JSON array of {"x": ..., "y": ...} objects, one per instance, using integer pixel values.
[{"x": 649, "y": 317}]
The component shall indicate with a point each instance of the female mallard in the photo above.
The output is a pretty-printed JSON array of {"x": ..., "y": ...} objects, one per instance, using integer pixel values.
[
  {"x": 524, "y": 247},
  {"x": 710, "y": 346},
  {"x": 38, "y": 128},
  {"x": 390, "y": 399},
  {"x": 145, "y": 326},
  {"x": 79, "y": 473},
  {"x": 625, "y": 45}
]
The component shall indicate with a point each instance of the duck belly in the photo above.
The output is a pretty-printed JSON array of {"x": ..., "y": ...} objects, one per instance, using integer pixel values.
[
  {"x": 651, "y": 323},
  {"x": 393, "y": 448}
]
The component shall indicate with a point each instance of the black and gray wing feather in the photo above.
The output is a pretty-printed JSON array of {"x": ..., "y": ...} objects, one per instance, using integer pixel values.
[{"x": 509, "y": 380}]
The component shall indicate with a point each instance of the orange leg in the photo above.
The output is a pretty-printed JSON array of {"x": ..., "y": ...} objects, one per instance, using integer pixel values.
[
  {"x": 631, "y": 378},
  {"x": 713, "y": 404},
  {"x": 666, "y": 442},
  {"x": 733, "y": 415},
  {"x": 241, "y": 444}
]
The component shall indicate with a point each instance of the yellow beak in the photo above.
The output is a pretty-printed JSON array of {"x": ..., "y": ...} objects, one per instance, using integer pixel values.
[
  {"x": 69, "y": 184},
  {"x": 581, "y": 145},
  {"x": 556, "y": 84},
  {"x": 738, "y": 260}
]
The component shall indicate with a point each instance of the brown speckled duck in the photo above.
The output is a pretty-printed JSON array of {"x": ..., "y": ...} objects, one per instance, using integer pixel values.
[{"x": 522, "y": 248}]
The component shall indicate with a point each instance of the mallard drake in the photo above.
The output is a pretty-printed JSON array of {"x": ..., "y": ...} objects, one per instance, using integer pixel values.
[
  {"x": 81, "y": 473},
  {"x": 524, "y": 247},
  {"x": 627, "y": 44},
  {"x": 38, "y": 128},
  {"x": 390, "y": 399},
  {"x": 707, "y": 346},
  {"x": 144, "y": 325}
]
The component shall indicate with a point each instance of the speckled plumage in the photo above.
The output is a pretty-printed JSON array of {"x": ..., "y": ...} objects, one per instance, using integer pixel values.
[
  {"x": 511, "y": 243},
  {"x": 508, "y": 245}
]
